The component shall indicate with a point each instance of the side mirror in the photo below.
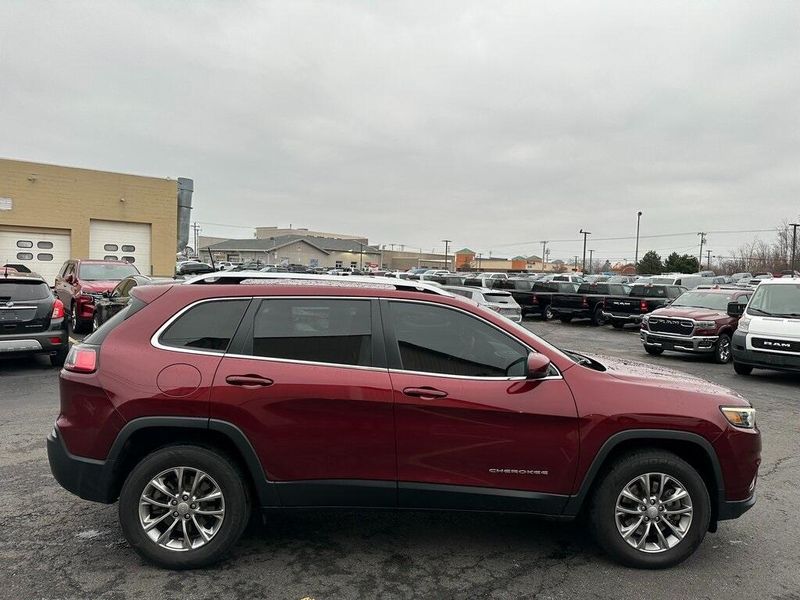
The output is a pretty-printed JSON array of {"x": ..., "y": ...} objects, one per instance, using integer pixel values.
[
  {"x": 70, "y": 279},
  {"x": 537, "y": 366},
  {"x": 736, "y": 309}
]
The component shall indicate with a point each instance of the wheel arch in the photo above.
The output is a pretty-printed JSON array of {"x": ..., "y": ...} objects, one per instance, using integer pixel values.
[
  {"x": 691, "y": 447},
  {"x": 142, "y": 436}
]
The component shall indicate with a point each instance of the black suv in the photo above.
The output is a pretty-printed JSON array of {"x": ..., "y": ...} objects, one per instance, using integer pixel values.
[{"x": 32, "y": 319}]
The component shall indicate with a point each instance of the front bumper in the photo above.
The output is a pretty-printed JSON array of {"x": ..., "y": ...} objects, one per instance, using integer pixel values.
[
  {"x": 760, "y": 359},
  {"x": 40, "y": 342},
  {"x": 626, "y": 318},
  {"x": 700, "y": 344},
  {"x": 85, "y": 477}
]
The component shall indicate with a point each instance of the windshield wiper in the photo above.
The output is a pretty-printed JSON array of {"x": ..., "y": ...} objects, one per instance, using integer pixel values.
[{"x": 750, "y": 309}]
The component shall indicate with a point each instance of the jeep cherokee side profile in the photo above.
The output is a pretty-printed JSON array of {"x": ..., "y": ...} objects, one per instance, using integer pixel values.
[{"x": 259, "y": 391}]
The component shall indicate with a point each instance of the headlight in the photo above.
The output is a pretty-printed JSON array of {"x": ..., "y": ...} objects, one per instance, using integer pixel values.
[
  {"x": 705, "y": 324},
  {"x": 744, "y": 324},
  {"x": 738, "y": 416}
]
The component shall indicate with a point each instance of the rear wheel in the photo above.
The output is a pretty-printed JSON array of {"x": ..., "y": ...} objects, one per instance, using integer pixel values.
[
  {"x": 76, "y": 324},
  {"x": 653, "y": 350},
  {"x": 722, "y": 351},
  {"x": 184, "y": 507},
  {"x": 651, "y": 510},
  {"x": 547, "y": 313},
  {"x": 742, "y": 369},
  {"x": 597, "y": 317}
]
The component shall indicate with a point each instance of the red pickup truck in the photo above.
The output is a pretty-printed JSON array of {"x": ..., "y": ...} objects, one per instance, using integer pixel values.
[{"x": 696, "y": 322}]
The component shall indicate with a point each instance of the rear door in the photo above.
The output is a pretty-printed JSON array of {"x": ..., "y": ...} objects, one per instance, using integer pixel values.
[{"x": 306, "y": 380}]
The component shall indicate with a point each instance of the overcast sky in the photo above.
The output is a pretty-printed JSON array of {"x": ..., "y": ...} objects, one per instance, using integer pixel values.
[{"x": 494, "y": 124}]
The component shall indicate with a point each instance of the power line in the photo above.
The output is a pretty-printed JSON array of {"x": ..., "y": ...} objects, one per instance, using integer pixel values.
[{"x": 643, "y": 237}]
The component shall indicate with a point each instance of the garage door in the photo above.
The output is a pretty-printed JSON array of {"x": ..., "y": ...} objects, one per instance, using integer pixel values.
[
  {"x": 42, "y": 251},
  {"x": 116, "y": 240}
]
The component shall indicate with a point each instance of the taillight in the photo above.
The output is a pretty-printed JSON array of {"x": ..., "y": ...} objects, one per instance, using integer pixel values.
[
  {"x": 584, "y": 301},
  {"x": 58, "y": 310},
  {"x": 643, "y": 305},
  {"x": 536, "y": 300},
  {"x": 81, "y": 359}
]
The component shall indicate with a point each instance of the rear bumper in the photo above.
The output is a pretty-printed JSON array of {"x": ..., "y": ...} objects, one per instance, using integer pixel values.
[
  {"x": 700, "y": 344},
  {"x": 760, "y": 359},
  {"x": 40, "y": 342},
  {"x": 625, "y": 318},
  {"x": 575, "y": 313},
  {"x": 733, "y": 509},
  {"x": 85, "y": 477}
]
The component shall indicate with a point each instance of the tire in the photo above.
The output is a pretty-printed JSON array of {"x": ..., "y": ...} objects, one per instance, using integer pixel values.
[
  {"x": 565, "y": 319},
  {"x": 677, "y": 542},
  {"x": 617, "y": 324},
  {"x": 547, "y": 313},
  {"x": 96, "y": 321},
  {"x": 76, "y": 325},
  {"x": 58, "y": 359},
  {"x": 221, "y": 474},
  {"x": 654, "y": 351},
  {"x": 742, "y": 369},
  {"x": 597, "y": 318},
  {"x": 723, "y": 351}
]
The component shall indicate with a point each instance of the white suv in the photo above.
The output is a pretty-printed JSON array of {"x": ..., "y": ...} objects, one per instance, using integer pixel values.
[{"x": 768, "y": 335}]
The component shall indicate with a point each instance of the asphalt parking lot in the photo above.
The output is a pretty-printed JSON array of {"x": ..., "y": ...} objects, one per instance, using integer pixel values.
[{"x": 56, "y": 546}]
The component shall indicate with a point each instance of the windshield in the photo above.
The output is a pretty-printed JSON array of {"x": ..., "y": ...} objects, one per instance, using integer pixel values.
[
  {"x": 106, "y": 271},
  {"x": 710, "y": 300},
  {"x": 779, "y": 300},
  {"x": 498, "y": 298}
]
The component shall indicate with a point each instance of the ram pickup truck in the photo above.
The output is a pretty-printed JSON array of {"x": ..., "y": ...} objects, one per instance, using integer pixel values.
[
  {"x": 534, "y": 296},
  {"x": 642, "y": 299},
  {"x": 697, "y": 322},
  {"x": 586, "y": 302}
]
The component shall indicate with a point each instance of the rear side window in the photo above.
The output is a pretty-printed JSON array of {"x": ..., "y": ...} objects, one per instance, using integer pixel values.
[
  {"x": 206, "y": 326},
  {"x": 19, "y": 291},
  {"x": 322, "y": 330}
]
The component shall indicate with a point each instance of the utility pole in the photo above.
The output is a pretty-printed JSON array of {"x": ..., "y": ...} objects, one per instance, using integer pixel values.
[
  {"x": 544, "y": 255},
  {"x": 361, "y": 257},
  {"x": 794, "y": 227},
  {"x": 702, "y": 235},
  {"x": 708, "y": 253},
  {"x": 196, "y": 229},
  {"x": 576, "y": 262},
  {"x": 591, "y": 252},
  {"x": 585, "y": 233},
  {"x": 636, "y": 256},
  {"x": 479, "y": 261},
  {"x": 446, "y": 252}
]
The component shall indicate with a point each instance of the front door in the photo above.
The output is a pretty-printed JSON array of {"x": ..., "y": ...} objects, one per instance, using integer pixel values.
[
  {"x": 306, "y": 381},
  {"x": 472, "y": 431}
]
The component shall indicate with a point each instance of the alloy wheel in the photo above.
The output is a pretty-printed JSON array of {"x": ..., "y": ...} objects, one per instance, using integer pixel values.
[
  {"x": 181, "y": 509},
  {"x": 724, "y": 350},
  {"x": 653, "y": 512}
]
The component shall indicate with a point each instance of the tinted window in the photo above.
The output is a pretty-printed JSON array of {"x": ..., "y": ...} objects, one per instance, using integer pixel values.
[
  {"x": 110, "y": 247},
  {"x": 318, "y": 330},
  {"x": 44, "y": 245},
  {"x": 593, "y": 288},
  {"x": 44, "y": 256},
  {"x": 433, "y": 339},
  {"x": 15, "y": 290},
  {"x": 128, "y": 248},
  {"x": 24, "y": 244},
  {"x": 206, "y": 326}
]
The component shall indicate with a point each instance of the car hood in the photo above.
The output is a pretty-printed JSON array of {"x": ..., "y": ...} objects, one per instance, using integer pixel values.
[
  {"x": 637, "y": 372},
  {"x": 98, "y": 286},
  {"x": 689, "y": 312}
]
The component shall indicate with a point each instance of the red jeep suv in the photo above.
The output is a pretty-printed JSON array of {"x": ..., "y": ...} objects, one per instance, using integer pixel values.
[{"x": 256, "y": 390}]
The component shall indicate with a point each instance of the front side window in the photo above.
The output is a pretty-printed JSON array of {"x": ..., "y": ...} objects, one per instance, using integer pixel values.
[
  {"x": 324, "y": 330},
  {"x": 206, "y": 326},
  {"x": 434, "y": 339}
]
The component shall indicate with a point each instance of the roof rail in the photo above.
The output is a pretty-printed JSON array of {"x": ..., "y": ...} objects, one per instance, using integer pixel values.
[{"x": 236, "y": 277}]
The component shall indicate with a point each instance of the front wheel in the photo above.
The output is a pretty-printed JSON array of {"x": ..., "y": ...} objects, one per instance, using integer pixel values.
[
  {"x": 722, "y": 351},
  {"x": 742, "y": 369},
  {"x": 597, "y": 317},
  {"x": 651, "y": 510},
  {"x": 547, "y": 314},
  {"x": 184, "y": 507}
]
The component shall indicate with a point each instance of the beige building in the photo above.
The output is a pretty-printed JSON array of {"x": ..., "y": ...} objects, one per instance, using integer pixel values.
[
  {"x": 264, "y": 233},
  {"x": 50, "y": 213}
]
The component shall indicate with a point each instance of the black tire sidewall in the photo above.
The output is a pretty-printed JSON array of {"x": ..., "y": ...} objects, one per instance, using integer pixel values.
[
  {"x": 231, "y": 482},
  {"x": 604, "y": 503}
]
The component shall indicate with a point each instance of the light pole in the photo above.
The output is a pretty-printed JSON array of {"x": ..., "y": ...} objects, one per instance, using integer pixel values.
[
  {"x": 636, "y": 256},
  {"x": 585, "y": 233},
  {"x": 544, "y": 255},
  {"x": 794, "y": 227},
  {"x": 446, "y": 252},
  {"x": 702, "y": 235},
  {"x": 708, "y": 253},
  {"x": 591, "y": 252}
]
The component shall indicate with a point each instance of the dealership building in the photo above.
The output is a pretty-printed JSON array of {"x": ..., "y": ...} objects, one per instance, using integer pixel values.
[{"x": 50, "y": 213}]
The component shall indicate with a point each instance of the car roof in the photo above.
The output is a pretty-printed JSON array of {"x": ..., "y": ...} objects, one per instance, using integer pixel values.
[
  {"x": 17, "y": 276},
  {"x": 102, "y": 262},
  {"x": 780, "y": 281}
]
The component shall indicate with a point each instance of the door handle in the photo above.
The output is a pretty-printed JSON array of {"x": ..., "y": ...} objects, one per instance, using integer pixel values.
[
  {"x": 424, "y": 392},
  {"x": 249, "y": 380}
]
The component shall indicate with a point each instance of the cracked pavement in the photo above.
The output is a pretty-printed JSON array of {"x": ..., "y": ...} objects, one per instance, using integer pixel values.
[{"x": 54, "y": 546}]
